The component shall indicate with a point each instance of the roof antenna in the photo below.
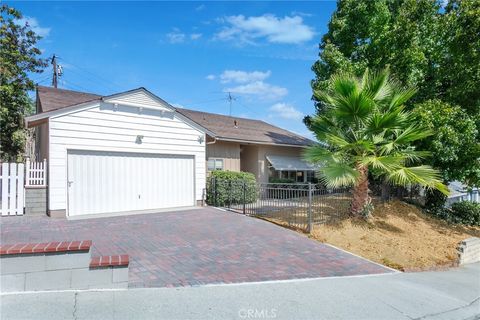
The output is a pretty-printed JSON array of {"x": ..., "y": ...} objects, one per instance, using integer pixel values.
[{"x": 230, "y": 99}]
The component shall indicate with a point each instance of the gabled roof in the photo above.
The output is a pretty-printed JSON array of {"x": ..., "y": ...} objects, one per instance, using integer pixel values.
[
  {"x": 53, "y": 99},
  {"x": 244, "y": 130},
  {"x": 218, "y": 126}
]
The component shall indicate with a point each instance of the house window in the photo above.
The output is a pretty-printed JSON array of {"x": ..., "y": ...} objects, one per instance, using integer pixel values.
[{"x": 214, "y": 164}]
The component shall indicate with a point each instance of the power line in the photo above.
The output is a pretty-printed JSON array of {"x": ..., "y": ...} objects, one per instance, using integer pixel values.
[{"x": 97, "y": 77}]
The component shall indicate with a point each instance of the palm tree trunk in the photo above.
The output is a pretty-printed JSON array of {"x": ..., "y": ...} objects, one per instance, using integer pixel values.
[{"x": 360, "y": 192}]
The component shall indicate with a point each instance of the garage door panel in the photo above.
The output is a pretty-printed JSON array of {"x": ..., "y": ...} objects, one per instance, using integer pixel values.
[{"x": 103, "y": 182}]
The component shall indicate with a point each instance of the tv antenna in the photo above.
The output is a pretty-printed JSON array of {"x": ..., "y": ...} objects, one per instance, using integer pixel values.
[{"x": 230, "y": 99}]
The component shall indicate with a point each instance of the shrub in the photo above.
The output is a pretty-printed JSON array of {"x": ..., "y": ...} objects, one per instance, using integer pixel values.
[
  {"x": 229, "y": 187},
  {"x": 463, "y": 212},
  {"x": 280, "y": 180},
  {"x": 466, "y": 212}
]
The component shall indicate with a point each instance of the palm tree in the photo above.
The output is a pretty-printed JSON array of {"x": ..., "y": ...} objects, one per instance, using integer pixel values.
[{"x": 365, "y": 126}]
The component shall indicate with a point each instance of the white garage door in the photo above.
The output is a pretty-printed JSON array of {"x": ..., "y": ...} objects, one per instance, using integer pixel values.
[{"x": 106, "y": 182}]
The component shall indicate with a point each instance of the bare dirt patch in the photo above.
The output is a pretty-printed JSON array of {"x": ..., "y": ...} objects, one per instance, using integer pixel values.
[{"x": 399, "y": 235}]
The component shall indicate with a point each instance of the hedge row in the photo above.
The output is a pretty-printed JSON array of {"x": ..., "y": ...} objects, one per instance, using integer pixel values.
[{"x": 229, "y": 187}]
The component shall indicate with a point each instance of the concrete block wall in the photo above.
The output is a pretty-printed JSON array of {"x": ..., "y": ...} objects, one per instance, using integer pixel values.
[
  {"x": 469, "y": 251},
  {"x": 35, "y": 201},
  {"x": 25, "y": 267}
]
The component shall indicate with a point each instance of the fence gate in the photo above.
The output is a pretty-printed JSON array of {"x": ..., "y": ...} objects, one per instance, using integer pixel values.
[
  {"x": 12, "y": 188},
  {"x": 14, "y": 178}
]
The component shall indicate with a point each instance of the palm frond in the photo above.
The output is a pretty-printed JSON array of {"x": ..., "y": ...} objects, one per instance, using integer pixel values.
[
  {"x": 344, "y": 84},
  {"x": 385, "y": 163},
  {"x": 423, "y": 175},
  {"x": 411, "y": 134},
  {"x": 413, "y": 156},
  {"x": 336, "y": 175},
  {"x": 359, "y": 147},
  {"x": 320, "y": 155},
  {"x": 400, "y": 97},
  {"x": 375, "y": 84}
]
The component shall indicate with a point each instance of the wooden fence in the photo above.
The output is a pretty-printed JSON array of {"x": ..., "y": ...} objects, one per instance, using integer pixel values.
[{"x": 14, "y": 177}]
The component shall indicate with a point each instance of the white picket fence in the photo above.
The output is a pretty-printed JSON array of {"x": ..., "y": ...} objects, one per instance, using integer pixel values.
[
  {"x": 36, "y": 174},
  {"x": 14, "y": 178}
]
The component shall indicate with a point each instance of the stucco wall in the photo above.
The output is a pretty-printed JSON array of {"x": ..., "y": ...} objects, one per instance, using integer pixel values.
[
  {"x": 249, "y": 159},
  {"x": 253, "y": 158}
]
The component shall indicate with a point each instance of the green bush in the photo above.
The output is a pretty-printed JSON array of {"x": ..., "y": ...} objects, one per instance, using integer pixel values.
[
  {"x": 280, "y": 180},
  {"x": 230, "y": 187},
  {"x": 466, "y": 212},
  {"x": 463, "y": 212}
]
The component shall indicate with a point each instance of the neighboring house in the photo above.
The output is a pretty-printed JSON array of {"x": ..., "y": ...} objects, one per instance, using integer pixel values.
[
  {"x": 132, "y": 151},
  {"x": 460, "y": 192}
]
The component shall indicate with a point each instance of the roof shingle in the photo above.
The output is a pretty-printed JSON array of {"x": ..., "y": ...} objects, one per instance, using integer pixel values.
[
  {"x": 224, "y": 127},
  {"x": 233, "y": 128},
  {"x": 53, "y": 98}
]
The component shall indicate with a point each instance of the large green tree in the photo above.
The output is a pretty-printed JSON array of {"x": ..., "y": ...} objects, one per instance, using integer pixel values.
[
  {"x": 365, "y": 126},
  {"x": 19, "y": 56},
  {"x": 374, "y": 33},
  {"x": 426, "y": 44},
  {"x": 460, "y": 60},
  {"x": 454, "y": 143}
]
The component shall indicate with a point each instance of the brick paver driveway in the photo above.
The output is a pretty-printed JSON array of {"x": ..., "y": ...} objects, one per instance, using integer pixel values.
[{"x": 195, "y": 247}]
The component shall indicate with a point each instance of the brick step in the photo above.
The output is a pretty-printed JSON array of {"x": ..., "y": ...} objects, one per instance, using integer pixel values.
[
  {"x": 110, "y": 261},
  {"x": 44, "y": 247},
  {"x": 59, "y": 266}
]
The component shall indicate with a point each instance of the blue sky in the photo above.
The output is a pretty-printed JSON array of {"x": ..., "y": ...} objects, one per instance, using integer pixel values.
[{"x": 189, "y": 53}]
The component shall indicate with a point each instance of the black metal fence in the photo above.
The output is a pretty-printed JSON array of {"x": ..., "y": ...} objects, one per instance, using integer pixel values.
[{"x": 297, "y": 205}]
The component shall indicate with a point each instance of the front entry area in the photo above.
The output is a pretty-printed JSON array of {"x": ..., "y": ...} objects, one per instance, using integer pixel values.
[{"x": 109, "y": 182}]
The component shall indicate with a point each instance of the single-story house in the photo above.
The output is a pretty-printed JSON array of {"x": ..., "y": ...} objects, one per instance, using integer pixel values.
[{"x": 133, "y": 151}]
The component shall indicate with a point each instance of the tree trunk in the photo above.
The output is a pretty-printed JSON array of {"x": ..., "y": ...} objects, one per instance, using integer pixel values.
[{"x": 360, "y": 192}]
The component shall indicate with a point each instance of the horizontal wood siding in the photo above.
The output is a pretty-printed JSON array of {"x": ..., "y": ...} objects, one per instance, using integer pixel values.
[{"x": 106, "y": 129}]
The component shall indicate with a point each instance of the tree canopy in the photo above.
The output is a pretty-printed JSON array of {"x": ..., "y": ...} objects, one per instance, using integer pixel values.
[
  {"x": 427, "y": 45},
  {"x": 18, "y": 57},
  {"x": 454, "y": 143}
]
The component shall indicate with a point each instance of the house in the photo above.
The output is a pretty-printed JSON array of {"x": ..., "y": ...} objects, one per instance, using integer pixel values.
[{"x": 133, "y": 151}]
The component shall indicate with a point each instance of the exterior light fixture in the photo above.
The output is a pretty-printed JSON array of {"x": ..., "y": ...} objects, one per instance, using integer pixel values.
[{"x": 139, "y": 139}]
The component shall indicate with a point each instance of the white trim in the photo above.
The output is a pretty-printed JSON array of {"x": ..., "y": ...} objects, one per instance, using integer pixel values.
[
  {"x": 106, "y": 100},
  {"x": 63, "y": 111}
]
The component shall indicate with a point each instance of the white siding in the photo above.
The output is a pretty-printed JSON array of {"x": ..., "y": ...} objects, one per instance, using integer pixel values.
[
  {"x": 138, "y": 98},
  {"x": 106, "y": 128}
]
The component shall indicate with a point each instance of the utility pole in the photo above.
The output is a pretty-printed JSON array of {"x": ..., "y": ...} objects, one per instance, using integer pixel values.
[
  {"x": 230, "y": 99},
  {"x": 55, "y": 74}
]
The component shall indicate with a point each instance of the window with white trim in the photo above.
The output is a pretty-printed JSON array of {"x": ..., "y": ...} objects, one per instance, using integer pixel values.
[{"x": 214, "y": 164}]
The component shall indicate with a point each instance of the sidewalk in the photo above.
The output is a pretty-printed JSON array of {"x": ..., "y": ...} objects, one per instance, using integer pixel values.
[{"x": 452, "y": 294}]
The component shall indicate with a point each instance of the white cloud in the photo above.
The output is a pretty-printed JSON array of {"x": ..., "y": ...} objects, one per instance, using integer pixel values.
[
  {"x": 176, "y": 36},
  {"x": 260, "y": 89},
  {"x": 289, "y": 30},
  {"x": 35, "y": 26},
  {"x": 200, "y": 7},
  {"x": 211, "y": 77},
  {"x": 239, "y": 76},
  {"x": 195, "y": 36},
  {"x": 285, "y": 111}
]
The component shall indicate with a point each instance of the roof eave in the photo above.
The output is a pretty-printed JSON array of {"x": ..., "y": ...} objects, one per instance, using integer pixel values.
[{"x": 226, "y": 139}]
